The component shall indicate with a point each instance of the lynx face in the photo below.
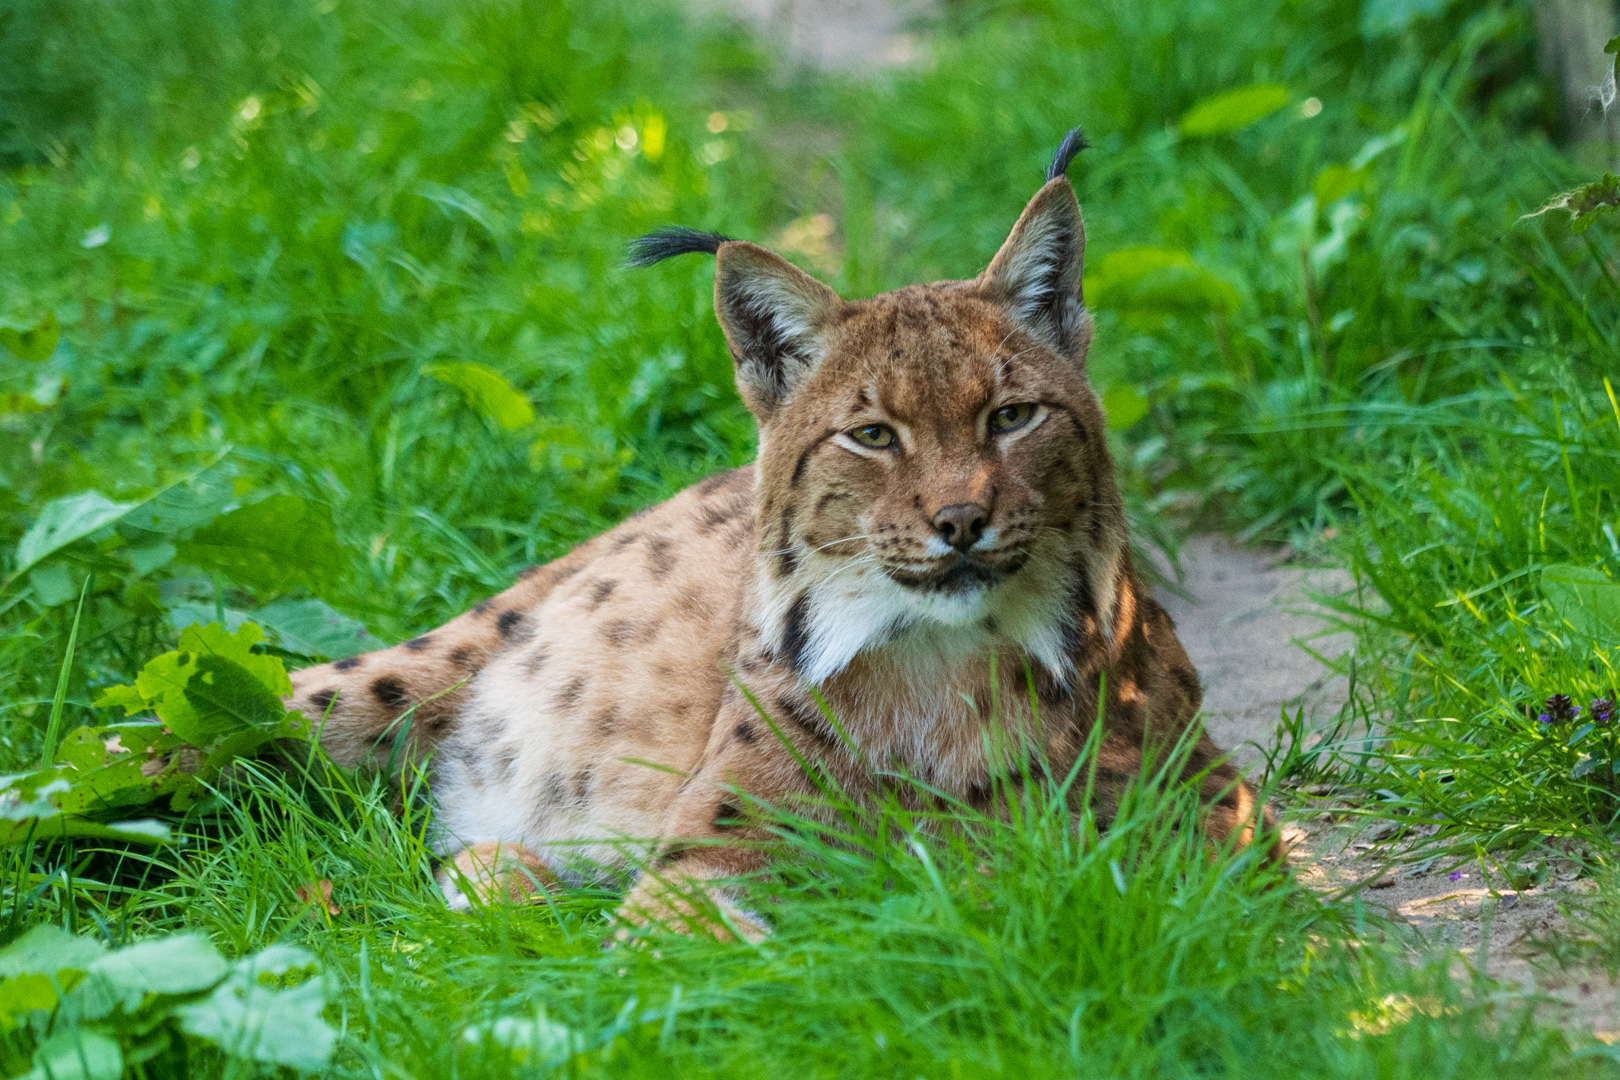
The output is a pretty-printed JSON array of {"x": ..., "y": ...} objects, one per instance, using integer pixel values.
[{"x": 932, "y": 460}]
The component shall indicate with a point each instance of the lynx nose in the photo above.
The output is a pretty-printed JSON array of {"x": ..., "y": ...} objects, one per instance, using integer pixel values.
[{"x": 961, "y": 524}]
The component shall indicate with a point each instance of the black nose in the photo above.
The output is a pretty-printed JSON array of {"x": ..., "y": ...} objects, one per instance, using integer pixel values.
[{"x": 961, "y": 524}]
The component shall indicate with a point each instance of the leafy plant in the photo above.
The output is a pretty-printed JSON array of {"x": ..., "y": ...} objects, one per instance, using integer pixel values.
[
  {"x": 214, "y": 700},
  {"x": 75, "y": 1010}
]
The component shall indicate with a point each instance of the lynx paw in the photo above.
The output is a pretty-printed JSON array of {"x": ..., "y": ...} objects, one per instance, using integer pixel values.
[{"x": 484, "y": 873}]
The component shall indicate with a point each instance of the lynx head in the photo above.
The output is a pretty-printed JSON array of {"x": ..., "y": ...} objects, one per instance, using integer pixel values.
[{"x": 932, "y": 467}]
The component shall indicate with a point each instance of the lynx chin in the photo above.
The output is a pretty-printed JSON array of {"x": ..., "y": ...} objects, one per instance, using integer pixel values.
[{"x": 933, "y": 522}]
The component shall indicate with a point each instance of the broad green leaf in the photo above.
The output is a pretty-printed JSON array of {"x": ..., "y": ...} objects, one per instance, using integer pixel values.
[
  {"x": 76, "y": 1053},
  {"x": 179, "y": 508},
  {"x": 36, "y": 343},
  {"x": 249, "y": 1017},
  {"x": 1233, "y": 110},
  {"x": 1124, "y": 406},
  {"x": 312, "y": 628},
  {"x": 47, "y": 950},
  {"x": 65, "y": 520},
  {"x": 1584, "y": 599},
  {"x": 211, "y": 687},
  {"x": 206, "y": 698},
  {"x": 54, "y": 584},
  {"x": 191, "y": 613},
  {"x": 487, "y": 392},
  {"x": 1155, "y": 280},
  {"x": 269, "y": 545},
  {"x": 23, "y": 994},
  {"x": 182, "y": 964}
]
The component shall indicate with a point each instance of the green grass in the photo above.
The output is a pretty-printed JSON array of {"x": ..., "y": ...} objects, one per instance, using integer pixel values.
[{"x": 268, "y": 232}]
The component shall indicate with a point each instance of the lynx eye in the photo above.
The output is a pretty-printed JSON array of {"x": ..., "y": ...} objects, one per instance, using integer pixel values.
[
  {"x": 877, "y": 436},
  {"x": 1010, "y": 418}
]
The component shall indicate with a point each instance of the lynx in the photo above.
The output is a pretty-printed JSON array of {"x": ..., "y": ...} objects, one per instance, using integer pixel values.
[{"x": 932, "y": 523}]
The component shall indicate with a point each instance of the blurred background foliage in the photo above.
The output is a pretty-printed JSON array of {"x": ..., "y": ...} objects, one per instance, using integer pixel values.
[{"x": 315, "y": 310}]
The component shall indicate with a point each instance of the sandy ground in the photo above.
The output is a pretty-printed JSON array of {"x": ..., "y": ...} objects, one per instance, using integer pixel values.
[
  {"x": 1251, "y": 621},
  {"x": 1244, "y": 618}
]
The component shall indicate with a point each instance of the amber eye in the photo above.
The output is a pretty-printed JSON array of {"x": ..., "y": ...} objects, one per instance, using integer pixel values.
[
  {"x": 1010, "y": 418},
  {"x": 877, "y": 436}
]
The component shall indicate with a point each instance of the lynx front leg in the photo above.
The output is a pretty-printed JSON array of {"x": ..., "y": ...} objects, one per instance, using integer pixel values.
[
  {"x": 705, "y": 839},
  {"x": 684, "y": 895},
  {"x": 490, "y": 872}
]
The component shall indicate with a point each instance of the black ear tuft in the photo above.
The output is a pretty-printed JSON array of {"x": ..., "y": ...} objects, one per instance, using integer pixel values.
[
  {"x": 1067, "y": 151},
  {"x": 667, "y": 243}
]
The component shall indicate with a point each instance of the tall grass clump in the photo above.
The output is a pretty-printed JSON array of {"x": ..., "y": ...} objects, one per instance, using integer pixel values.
[{"x": 936, "y": 943}]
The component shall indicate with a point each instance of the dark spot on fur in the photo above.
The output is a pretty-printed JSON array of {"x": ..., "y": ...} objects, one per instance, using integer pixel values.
[
  {"x": 660, "y": 559},
  {"x": 619, "y": 631},
  {"x": 712, "y": 516},
  {"x": 555, "y": 789},
  {"x": 605, "y": 722},
  {"x": 601, "y": 591},
  {"x": 417, "y": 644},
  {"x": 569, "y": 694},
  {"x": 505, "y": 761},
  {"x": 582, "y": 784},
  {"x": 483, "y": 607},
  {"x": 391, "y": 692},
  {"x": 787, "y": 563},
  {"x": 348, "y": 663},
  {"x": 322, "y": 701},
  {"x": 745, "y": 732},
  {"x": 462, "y": 657},
  {"x": 990, "y": 624},
  {"x": 795, "y": 634},
  {"x": 508, "y": 622},
  {"x": 810, "y": 720},
  {"x": 535, "y": 661},
  {"x": 528, "y": 572},
  {"x": 566, "y": 573},
  {"x": 626, "y": 539}
]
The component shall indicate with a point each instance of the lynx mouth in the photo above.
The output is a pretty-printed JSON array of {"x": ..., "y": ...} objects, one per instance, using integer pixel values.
[{"x": 957, "y": 575}]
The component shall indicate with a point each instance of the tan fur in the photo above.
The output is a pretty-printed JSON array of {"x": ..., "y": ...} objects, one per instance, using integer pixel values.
[{"x": 585, "y": 719}]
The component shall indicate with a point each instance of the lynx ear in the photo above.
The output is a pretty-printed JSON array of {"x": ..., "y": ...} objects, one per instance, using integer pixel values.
[
  {"x": 772, "y": 314},
  {"x": 1036, "y": 273}
]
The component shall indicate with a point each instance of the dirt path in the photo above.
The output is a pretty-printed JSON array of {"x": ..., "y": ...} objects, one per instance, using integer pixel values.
[
  {"x": 835, "y": 35},
  {"x": 1243, "y": 618}
]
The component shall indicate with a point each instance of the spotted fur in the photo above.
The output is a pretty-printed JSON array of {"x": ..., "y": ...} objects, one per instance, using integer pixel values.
[{"x": 585, "y": 719}]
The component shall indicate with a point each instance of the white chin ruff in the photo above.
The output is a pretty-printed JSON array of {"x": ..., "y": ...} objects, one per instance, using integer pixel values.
[{"x": 854, "y": 609}]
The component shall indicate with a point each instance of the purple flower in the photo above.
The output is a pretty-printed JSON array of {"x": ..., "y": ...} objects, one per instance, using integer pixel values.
[
  {"x": 1455, "y": 875},
  {"x": 1561, "y": 710},
  {"x": 1544, "y": 718},
  {"x": 1602, "y": 710}
]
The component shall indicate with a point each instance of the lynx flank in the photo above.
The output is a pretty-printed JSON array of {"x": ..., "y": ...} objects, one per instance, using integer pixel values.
[{"x": 933, "y": 507}]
